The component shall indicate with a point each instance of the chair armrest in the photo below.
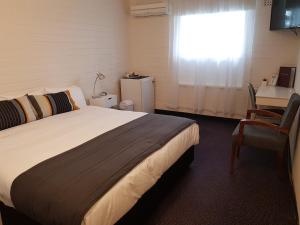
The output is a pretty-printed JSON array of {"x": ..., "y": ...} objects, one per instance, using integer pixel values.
[
  {"x": 261, "y": 112},
  {"x": 262, "y": 124}
]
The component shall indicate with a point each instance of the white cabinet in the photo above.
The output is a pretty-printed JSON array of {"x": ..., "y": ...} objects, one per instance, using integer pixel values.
[
  {"x": 140, "y": 91},
  {"x": 107, "y": 101}
]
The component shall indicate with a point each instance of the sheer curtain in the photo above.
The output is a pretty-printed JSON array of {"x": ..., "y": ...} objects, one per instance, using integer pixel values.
[{"x": 210, "y": 55}]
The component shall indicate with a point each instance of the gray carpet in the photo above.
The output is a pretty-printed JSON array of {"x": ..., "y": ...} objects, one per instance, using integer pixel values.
[{"x": 205, "y": 193}]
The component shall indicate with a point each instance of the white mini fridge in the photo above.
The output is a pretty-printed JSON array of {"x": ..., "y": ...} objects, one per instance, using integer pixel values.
[{"x": 140, "y": 91}]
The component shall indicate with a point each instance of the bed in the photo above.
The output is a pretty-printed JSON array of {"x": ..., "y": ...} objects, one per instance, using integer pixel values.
[{"x": 58, "y": 134}]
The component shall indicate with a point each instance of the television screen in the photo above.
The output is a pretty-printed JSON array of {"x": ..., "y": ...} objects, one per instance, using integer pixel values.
[{"x": 285, "y": 14}]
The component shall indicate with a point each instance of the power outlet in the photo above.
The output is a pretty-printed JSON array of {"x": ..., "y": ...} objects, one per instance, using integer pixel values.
[{"x": 267, "y": 2}]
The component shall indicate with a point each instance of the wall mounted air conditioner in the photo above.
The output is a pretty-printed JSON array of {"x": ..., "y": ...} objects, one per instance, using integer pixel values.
[{"x": 153, "y": 9}]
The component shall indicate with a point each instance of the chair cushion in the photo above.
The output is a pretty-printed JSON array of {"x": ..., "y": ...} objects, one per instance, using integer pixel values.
[
  {"x": 261, "y": 137},
  {"x": 291, "y": 111}
]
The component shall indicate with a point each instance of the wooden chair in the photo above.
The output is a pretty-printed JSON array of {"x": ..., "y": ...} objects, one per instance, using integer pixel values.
[
  {"x": 252, "y": 94},
  {"x": 264, "y": 135}
]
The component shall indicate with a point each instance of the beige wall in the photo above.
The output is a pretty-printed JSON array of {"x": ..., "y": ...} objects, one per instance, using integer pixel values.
[
  {"x": 272, "y": 49},
  {"x": 62, "y": 42},
  {"x": 296, "y": 172},
  {"x": 297, "y": 82},
  {"x": 296, "y": 163},
  {"x": 149, "y": 47}
]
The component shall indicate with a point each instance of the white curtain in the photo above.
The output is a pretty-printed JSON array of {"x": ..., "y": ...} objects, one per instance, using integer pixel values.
[{"x": 210, "y": 56}]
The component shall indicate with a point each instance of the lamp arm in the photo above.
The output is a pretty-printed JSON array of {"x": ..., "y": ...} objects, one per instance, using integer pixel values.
[
  {"x": 94, "y": 90},
  {"x": 100, "y": 76}
]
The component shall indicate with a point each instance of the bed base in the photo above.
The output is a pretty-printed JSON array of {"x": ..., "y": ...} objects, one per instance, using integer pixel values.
[{"x": 11, "y": 217}]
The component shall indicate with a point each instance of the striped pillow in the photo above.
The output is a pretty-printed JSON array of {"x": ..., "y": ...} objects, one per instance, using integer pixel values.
[
  {"x": 16, "y": 112},
  {"x": 52, "y": 104}
]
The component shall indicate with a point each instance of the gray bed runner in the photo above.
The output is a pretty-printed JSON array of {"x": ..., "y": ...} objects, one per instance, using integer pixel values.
[{"x": 61, "y": 190}]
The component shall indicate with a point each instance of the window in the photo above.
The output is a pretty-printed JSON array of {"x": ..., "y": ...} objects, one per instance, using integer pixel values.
[
  {"x": 211, "y": 48},
  {"x": 214, "y": 36}
]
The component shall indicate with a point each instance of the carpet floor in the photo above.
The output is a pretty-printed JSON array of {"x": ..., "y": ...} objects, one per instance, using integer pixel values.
[{"x": 206, "y": 194}]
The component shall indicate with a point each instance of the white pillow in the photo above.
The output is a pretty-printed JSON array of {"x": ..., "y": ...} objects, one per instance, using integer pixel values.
[
  {"x": 75, "y": 92},
  {"x": 17, "y": 94}
]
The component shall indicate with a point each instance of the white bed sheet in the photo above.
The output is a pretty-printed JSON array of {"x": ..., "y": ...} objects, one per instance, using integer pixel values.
[{"x": 19, "y": 151}]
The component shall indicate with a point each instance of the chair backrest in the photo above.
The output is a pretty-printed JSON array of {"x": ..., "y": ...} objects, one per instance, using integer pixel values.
[
  {"x": 291, "y": 111},
  {"x": 252, "y": 94}
]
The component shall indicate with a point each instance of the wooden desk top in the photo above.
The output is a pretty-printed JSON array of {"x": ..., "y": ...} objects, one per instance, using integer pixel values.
[
  {"x": 274, "y": 96},
  {"x": 274, "y": 92}
]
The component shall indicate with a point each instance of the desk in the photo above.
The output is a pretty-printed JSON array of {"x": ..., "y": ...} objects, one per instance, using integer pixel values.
[{"x": 273, "y": 96}]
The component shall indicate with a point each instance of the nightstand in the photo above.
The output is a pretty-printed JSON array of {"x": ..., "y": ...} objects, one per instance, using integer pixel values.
[{"x": 107, "y": 101}]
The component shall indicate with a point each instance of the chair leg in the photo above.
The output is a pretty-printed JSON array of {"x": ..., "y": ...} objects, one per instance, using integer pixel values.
[
  {"x": 280, "y": 163},
  {"x": 238, "y": 152},
  {"x": 232, "y": 159}
]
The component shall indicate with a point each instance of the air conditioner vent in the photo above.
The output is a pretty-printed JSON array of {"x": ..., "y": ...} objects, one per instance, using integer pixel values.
[{"x": 154, "y": 9}]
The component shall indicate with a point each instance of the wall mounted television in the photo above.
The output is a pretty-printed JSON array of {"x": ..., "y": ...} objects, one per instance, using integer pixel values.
[{"x": 285, "y": 14}]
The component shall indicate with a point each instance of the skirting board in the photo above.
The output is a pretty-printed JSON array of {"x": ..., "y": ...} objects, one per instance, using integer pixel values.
[{"x": 11, "y": 217}]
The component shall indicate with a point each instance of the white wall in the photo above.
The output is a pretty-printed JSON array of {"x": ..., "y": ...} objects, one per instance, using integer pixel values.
[
  {"x": 149, "y": 48},
  {"x": 296, "y": 174},
  {"x": 297, "y": 82},
  {"x": 296, "y": 163},
  {"x": 62, "y": 42},
  {"x": 272, "y": 49}
]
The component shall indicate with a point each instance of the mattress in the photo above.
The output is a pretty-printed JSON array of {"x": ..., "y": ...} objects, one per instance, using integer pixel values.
[{"x": 54, "y": 135}]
